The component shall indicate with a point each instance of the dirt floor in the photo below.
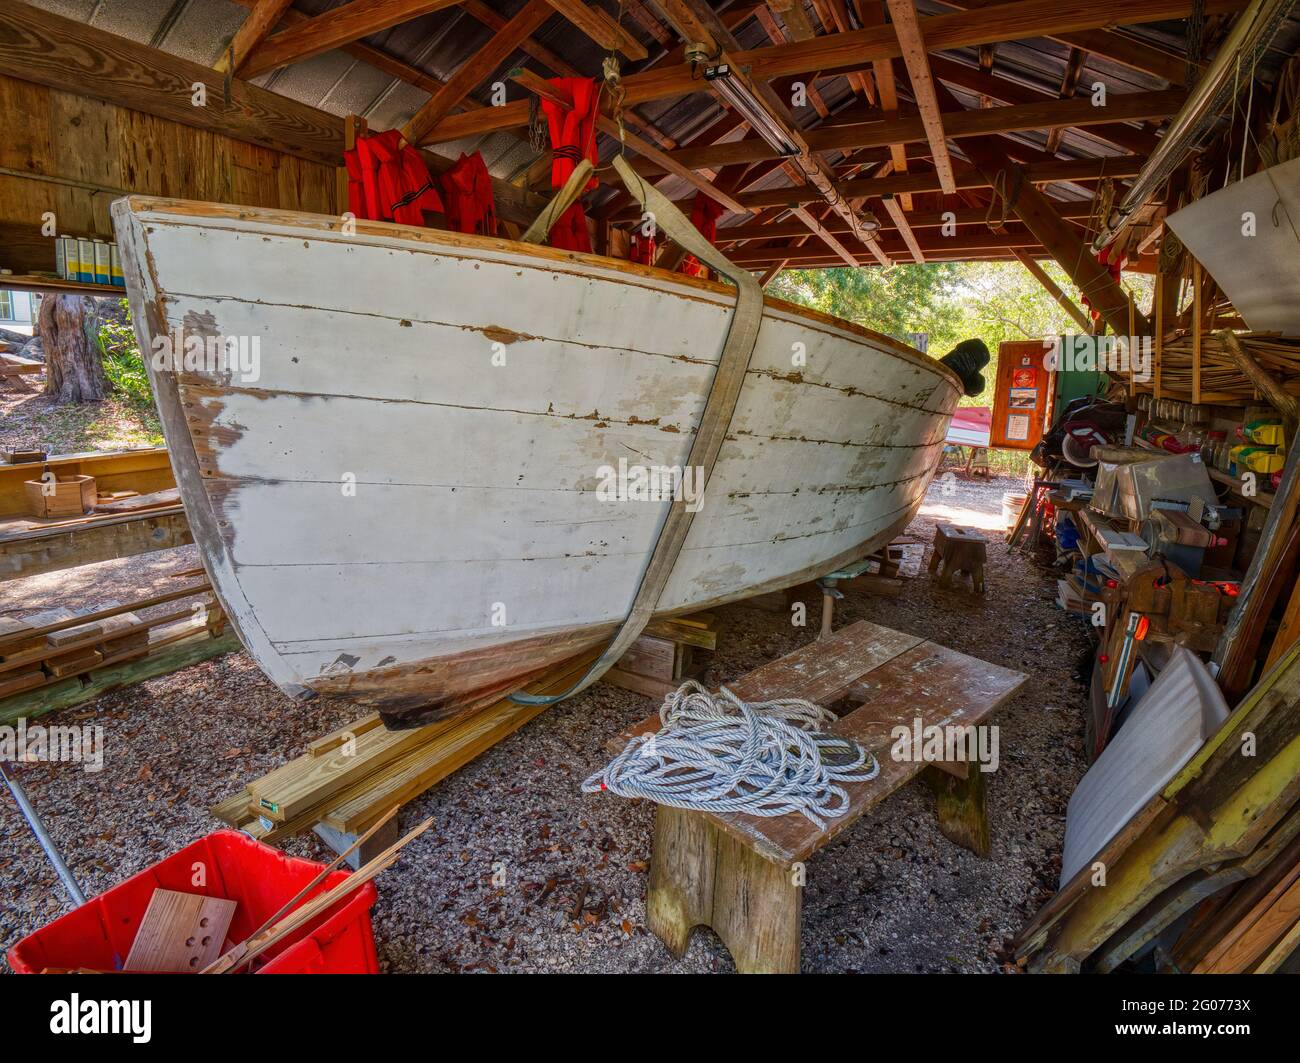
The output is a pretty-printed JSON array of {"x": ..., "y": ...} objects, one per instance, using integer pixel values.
[{"x": 890, "y": 895}]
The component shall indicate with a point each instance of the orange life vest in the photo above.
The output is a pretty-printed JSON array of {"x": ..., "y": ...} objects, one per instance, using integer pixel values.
[
  {"x": 641, "y": 249},
  {"x": 704, "y": 216},
  {"x": 467, "y": 192},
  {"x": 572, "y": 128},
  {"x": 388, "y": 180}
]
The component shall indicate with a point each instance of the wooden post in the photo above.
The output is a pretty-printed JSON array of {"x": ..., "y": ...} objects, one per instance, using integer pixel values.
[
  {"x": 1132, "y": 310},
  {"x": 1197, "y": 310},
  {"x": 701, "y": 876},
  {"x": 1158, "y": 312},
  {"x": 353, "y": 126},
  {"x": 961, "y": 808}
]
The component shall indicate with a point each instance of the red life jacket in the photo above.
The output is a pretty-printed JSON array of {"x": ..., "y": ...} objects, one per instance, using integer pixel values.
[
  {"x": 641, "y": 249},
  {"x": 394, "y": 181},
  {"x": 467, "y": 191},
  {"x": 704, "y": 216},
  {"x": 572, "y": 129}
]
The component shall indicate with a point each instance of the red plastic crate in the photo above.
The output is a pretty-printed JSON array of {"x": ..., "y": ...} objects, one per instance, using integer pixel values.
[{"x": 98, "y": 935}]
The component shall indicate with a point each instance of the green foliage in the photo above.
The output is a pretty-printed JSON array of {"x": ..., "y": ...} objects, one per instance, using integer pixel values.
[
  {"x": 951, "y": 301},
  {"x": 122, "y": 362},
  {"x": 904, "y": 299}
]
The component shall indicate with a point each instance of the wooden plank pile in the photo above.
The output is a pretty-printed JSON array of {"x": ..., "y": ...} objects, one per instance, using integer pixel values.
[
  {"x": 1221, "y": 841},
  {"x": 1250, "y": 929},
  {"x": 665, "y": 655},
  {"x": 349, "y": 779},
  {"x": 68, "y": 652}
]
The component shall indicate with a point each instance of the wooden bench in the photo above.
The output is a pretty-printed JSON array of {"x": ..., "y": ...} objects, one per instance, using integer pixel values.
[
  {"x": 959, "y": 550},
  {"x": 743, "y": 875}
]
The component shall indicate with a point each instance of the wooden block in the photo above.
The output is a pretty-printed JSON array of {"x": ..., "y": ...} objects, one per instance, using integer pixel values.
[
  {"x": 640, "y": 684},
  {"x": 135, "y": 501},
  {"x": 871, "y": 583},
  {"x": 773, "y": 601},
  {"x": 699, "y": 630},
  {"x": 73, "y": 664},
  {"x": 234, "y": 810},
  {"x": 297, "y": 786},
  {"x": 180, "y": 933},
  {"x": 651, "y": 656},
  {"x": 15, "y": 682},
  {"x": 19, "y": 456},
  {"x": 115, "y": 645},
  {"x": 12, "y": 639},
  {"x": 57, "y": 639}
]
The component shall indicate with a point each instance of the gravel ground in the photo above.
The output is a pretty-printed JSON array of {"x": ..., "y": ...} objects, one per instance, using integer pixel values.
[{"x": 890, "y": 895}]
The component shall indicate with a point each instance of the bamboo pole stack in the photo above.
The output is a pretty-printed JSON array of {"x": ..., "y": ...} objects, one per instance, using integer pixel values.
[{"x": 1221, "y": 379}]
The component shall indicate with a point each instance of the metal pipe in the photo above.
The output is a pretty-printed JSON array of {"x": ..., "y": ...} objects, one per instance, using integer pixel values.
[
  {"x": 1251, "y": 35},
  {"x": 42, "y": 836}
]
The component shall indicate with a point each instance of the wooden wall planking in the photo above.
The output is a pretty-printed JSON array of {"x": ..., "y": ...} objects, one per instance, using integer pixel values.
[{"x": 74, "y": 156}]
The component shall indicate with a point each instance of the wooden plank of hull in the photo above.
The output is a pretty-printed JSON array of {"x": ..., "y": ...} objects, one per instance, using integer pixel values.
[{"x": 376, "y": 340}]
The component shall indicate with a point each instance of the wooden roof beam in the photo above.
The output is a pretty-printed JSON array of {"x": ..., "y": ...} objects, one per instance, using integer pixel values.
[
  {"x": 1075, "y": 170},
  {"x": 695, "y": 21},
  {"x": 600, "y": 27},
  {"x": 794, "y": 17},
  {"x": 556, "y": 63},
  {"x": 1126, "y": 51},
  {"x": 908, "y": 28},
  {"x": 1006, "y": 91},
  {"x": 262, "y": 18},
  {"x": 1046, "y": 114},
  {"x": 1052, "y": 288},
  {"x": 1078, "y": 212},
  {"x": 1056, "y": 235},
  {"x": 840, "y": 51},
  {"x": 477, "y": 68},
  {"x": 1069, "y": 85},
  {"x": 335, "y": 28},
  {"x": 872, "y": 13},
  {"x": 895, "y": 210}
]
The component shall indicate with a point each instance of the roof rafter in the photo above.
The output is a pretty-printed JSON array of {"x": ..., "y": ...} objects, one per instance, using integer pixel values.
[
  {"x": 477, "y": 68},
  {"x": 262, "y": 19},
  {"x": 1010, "y": 21},
  {"x": 907, "y": 27},
  {"x": 596, "y": 24},
  {"x": 335, "y": 28},
  {"x": 694, "y": 20},
  {"x": 1044, "y": 114}
]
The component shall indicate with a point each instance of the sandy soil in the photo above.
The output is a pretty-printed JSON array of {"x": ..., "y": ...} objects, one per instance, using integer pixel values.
[{"x": 890, "y": 895}]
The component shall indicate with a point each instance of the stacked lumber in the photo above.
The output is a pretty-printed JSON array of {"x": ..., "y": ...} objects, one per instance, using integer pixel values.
[
  {"x": 47, "y": 647},
  {"x": 665, "y": 655},
  {"x": 1250, "y": 929},
  {"x": 349, "y": 779},
  {"x": 1220, "y": 841}
]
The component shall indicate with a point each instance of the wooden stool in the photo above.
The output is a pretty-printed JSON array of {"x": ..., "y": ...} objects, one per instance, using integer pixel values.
[
  {"x": 743, "y": 875},
  {"x": 960, "y": 550},
  {"x": 978, "y": 462}
]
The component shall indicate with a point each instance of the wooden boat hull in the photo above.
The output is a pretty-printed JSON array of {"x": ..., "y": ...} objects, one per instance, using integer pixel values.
[{"x": 402, "y": 505}]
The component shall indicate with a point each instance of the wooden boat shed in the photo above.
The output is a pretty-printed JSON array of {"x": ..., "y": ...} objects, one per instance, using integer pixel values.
[
  {"x": 828, "y": 133},
  {"x": 892, "y": 118}
]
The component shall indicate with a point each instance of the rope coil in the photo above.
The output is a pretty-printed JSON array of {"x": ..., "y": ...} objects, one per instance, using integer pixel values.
[{"x": 722, "y": 754}]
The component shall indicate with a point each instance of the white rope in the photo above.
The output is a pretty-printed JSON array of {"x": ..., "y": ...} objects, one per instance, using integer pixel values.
[{"x": 721, "y": 754}]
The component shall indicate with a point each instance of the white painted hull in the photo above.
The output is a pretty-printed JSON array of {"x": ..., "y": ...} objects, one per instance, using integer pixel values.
[{"x": 475, "y": 483}]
